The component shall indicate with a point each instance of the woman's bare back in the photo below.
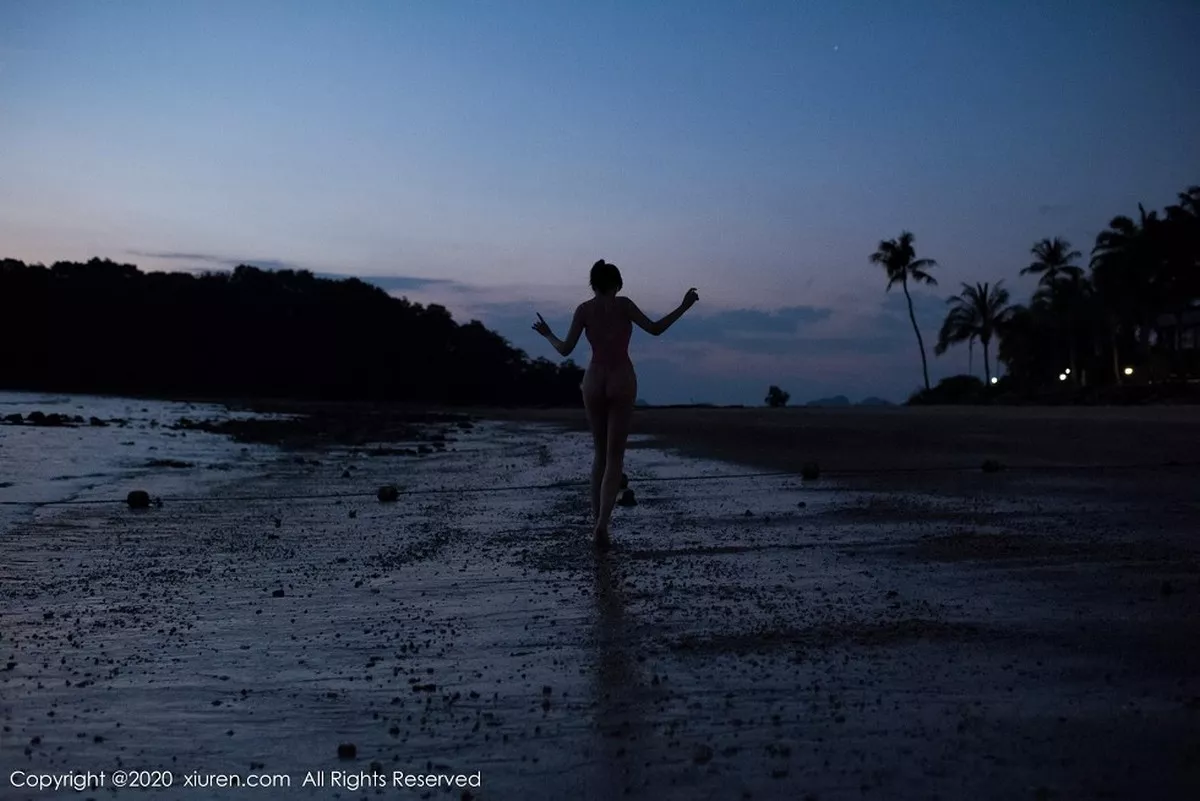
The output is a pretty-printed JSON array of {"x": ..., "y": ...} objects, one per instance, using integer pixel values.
[{"x": 608, "y": 327}]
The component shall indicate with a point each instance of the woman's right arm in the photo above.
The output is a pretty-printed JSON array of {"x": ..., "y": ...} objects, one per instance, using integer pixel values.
[{"x": 659, "y": 327}]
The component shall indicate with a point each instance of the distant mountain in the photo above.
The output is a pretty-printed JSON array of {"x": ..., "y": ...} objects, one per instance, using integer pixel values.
[
  {"x": 836, "y": 400},
  {"x": 875, "y": 402}
]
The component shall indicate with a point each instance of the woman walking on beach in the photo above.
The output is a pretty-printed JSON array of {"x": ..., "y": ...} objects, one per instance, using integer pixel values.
[{"x": 610, "y": 384}]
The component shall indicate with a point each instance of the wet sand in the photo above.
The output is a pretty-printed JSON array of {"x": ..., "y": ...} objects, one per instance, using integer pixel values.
[{"x": 956, "y": 634}]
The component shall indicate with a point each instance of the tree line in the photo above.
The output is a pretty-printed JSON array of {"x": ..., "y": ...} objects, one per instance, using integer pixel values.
[
  {"x": 104, "y": 327},
  {"x": 1128, "y": 317}
]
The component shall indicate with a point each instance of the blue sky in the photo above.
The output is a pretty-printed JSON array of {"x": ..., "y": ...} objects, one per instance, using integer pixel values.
[{"x": 483, "y": 155}]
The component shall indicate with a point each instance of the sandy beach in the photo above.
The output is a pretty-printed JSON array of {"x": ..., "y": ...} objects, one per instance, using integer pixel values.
[{"x": 945, "y": 633}]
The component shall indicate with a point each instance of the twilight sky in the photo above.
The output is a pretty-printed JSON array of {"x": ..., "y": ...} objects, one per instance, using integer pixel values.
[{"x": 483, "y": 155}]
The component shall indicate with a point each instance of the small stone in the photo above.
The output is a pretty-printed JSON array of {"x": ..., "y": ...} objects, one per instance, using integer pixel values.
[
  {"x": 388, "y": 494},
  {"x": 801, "y": 505},
  {"x": 138, "y": 499},
  {"x": 353, "y": 514},
  {"x": 345, "y": 474},
  {"x": 277, "y": 594},
  {"x": 702, "y": 755},
  {"x": 347, "y": 751}
]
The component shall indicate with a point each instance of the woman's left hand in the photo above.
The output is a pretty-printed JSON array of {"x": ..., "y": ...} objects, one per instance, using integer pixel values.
[{"x": 541, "y": 327}]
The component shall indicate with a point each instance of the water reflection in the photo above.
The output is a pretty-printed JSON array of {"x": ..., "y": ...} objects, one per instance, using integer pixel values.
[{"x": 619, "y": 722}]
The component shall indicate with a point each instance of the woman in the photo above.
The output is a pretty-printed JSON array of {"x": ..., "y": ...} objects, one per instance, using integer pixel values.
[{"x": 610, "y": 383}]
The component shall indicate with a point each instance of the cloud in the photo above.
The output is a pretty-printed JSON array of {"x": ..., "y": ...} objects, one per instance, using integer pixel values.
[
  {"x": 226, "y": 262},
  {"x": 396, "y": 283}
]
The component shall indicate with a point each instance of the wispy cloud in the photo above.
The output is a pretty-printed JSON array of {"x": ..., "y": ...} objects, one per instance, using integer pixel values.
[
  {"x": 214, "y": 260},
  {"x": 398, "y": 283}
]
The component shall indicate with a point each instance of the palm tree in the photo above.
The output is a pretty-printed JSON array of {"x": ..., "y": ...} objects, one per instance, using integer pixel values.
[
  {"x": 975, "y": 313},
  {"x": 1179, "y": 277},
  {"x": 1054, "y": 264},
  {"x": 899, "y": 259},
  {"x": 1123, "y": 261}
]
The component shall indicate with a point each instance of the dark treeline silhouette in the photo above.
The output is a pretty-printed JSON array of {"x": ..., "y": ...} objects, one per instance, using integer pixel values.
[
  {"x": 1128, "y": 322},
  {"x": 103, "y": 327}
]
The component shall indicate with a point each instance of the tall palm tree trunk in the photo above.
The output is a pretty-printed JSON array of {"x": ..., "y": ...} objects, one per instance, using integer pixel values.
[
  {"x": 1071, "y": 346},
  {"x": 971, "y": 356},
  {"x": 1116, "y": 357},
  {"x": 987, "y": 367},
  {"x": 920, "y": 342}
]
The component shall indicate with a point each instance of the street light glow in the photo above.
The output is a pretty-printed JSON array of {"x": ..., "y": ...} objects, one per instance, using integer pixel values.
[
  {"x": 1062, "y": 376},
  {"x": 994, "y": 379},
  {"x": 1128, "y": 371}
]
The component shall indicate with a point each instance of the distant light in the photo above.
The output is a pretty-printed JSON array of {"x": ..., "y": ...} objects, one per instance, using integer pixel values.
[
  {"x": 994, "y": 379},
  {"x": 1062, "y": 376},
  {"x": 1128, "y": 371},
  {"x": 1067, "y": 371}
]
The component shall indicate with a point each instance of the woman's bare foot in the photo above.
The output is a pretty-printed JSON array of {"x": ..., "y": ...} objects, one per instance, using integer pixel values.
[{"x": 600, "y": 539}]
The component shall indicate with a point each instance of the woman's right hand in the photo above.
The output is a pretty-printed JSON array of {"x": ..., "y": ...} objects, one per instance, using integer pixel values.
[{"x": 691, "y": 298}]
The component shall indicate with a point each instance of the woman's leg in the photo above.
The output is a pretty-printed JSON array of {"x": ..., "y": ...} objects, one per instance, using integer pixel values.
[
  {"x": 620, "y": 415},
  {"x": 596, "y": 404}
]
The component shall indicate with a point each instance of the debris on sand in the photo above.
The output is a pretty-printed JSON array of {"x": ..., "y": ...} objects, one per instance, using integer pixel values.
[
  {"x": 138, "y": 499},
  {"x": 277, "y": 594},
  {"x": 40, "y": 418},
  {"x": 388, "y": 493},
  {"x": 168, "y": 463},
  {"x": 627, "y": 499},
  {"x": 347, "y": 751}
]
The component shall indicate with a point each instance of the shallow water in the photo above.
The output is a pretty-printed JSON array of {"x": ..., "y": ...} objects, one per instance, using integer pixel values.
[{"x": 50, "y": 464}]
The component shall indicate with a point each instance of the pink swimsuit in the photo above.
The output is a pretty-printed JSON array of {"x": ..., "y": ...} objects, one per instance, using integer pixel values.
[{"x": 610, "y": 373}]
